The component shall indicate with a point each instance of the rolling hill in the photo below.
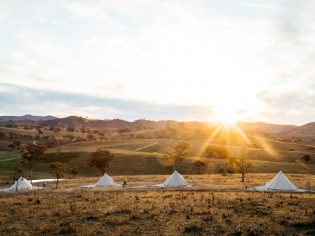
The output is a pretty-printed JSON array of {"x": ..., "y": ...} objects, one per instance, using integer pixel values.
[
  {"x": 118, "y": 124},
  {"x": 107, "y": 124},
  {"x": 301, "y": 131},
  {"x": 27, "y": 118},
  {"x": 266, "y": 127}
]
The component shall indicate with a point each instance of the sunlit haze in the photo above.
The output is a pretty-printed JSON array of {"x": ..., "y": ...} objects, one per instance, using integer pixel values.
[{"x": 185, "y": 60}]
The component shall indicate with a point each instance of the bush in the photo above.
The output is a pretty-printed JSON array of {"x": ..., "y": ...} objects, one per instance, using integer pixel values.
[
  {"x": 124, "y": 131},
  {"x": 140, "y": 136},
  {"x": 11, "y": 145},
  {"x": 217, "y": 152},
  {"x": 90, "y": 137},
  {"x": 17, "y": 143},
  {"x": 70, "y": 129}
]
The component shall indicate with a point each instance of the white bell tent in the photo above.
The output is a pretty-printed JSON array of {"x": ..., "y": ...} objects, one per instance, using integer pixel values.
[
  {"x": 105, "y": 181},
  {"x": 279, "y": 183},
  {"x": 21, "y": 184},
  {"x": 174, "y": 181}
]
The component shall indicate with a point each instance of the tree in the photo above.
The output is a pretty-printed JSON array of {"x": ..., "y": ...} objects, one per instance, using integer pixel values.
[
  {"x": 31, "y": 154},
  {"x": 306, "y": 158},
  {"x": 74, "y": 171},
  {"x": 58, "y": 169},
  {"x": 180, "y": 152},
  {"x": 216, "y": 152},
  {"x": 241, "y": 165},
  {"x": 17, "y": 143},
  {"x": 199, "y": 165},
  {"x": 100, "y": 159},
  {"x": 90, "y": 136},
  {"x": 39, "y": 131},
  {"x": 70, "y": 129},
  {"x": 11, "y": 145},
  {"x": 17, "y": 173},
  {"x": 56, "y": 130},
  {"x": 57, "y": 144}
]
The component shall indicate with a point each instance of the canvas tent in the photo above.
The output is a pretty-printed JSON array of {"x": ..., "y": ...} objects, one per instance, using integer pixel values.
[
  {"x": 21, "y": 184},
  {"x": 173, "y": 181},
  {"x": 105, "y": 181},
  {"x": 279, "y": 183}
]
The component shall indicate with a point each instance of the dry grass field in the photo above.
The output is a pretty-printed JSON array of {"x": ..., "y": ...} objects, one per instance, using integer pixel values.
[{"x": 215, "y": 205}]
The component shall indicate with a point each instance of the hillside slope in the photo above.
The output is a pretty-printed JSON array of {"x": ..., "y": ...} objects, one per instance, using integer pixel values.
[
  {"x": 265, "y": 127},
  {"x": 304, "y": 130}
]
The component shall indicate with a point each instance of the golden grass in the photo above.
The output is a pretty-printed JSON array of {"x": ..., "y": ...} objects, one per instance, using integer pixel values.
[{"x": 156, "y": 213}]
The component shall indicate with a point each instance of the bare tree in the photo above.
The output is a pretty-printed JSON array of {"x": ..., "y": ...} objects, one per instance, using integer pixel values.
[
  {"x": 58, "y": 169},
  {"x": 241, "y": 165},
  {"x": 57, "y": 144}
]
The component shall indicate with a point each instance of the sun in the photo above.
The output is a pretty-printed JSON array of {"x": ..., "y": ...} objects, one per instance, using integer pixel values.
[
  {"x": 227, "y": 121},
  {"x": 225, "y": 115}
]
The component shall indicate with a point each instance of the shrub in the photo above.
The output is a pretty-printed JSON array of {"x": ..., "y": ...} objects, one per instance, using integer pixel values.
[
  {"x": 70, "y": 129},
  {"x": 11, "y": 145}
]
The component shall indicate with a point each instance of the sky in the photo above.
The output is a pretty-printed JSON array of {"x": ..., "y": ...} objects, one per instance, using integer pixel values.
[{"x": 207, "y": 60}]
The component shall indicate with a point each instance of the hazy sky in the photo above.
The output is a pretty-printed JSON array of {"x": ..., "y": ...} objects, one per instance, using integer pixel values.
[{"x": 186, "y": 60}]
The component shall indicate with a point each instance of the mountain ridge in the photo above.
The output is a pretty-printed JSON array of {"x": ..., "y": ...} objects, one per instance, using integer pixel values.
[
  {"x": 27, "y": 117},
  {"x": 78, "y": 122}
]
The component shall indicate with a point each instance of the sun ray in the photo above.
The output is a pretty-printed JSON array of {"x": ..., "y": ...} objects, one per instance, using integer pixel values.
[
  {"x": 266, "y": 146},
  {"x": 241, "y": 133},
  {"x": 223, "y": 131},
  {"x": 205, "y": 144}
]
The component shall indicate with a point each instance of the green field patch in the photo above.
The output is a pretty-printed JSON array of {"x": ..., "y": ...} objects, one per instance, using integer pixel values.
[
  {"x": 62, "y": 157},
  {"x": 9, "y": 162}
]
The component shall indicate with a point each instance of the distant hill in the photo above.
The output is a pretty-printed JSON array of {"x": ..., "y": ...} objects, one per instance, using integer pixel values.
[
  {"x": 80, "y": 122},
  {"x": 26, "y": 118},
  {"x": 119, "y": 124},
  {"x": 265, "y": 127},
  {"x": 304, "y": 130}
]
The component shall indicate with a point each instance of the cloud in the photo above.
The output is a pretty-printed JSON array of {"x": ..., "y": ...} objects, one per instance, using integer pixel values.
[
  {"x": 289, "y": 106},
  {"x": 293, "y": 50},
  {"x": 22, "y": 100},
  {"x": 96, "y": 11},
  {"x": 211, "y": 53},
  {"x": 3, "y": 15},
  {"x": 40, "y": 44}
]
